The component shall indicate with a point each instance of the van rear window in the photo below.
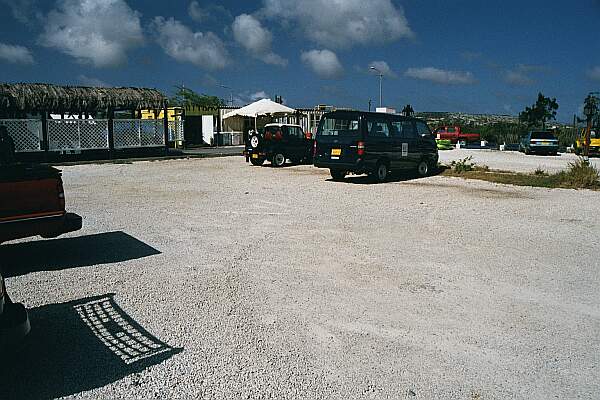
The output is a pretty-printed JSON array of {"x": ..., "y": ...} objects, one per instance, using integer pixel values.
[
  {"x": 338, "y": 127},
  {"x": 542, "y": 135}
]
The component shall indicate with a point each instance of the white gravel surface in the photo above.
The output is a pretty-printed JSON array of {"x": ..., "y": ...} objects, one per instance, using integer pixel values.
[
  {"x": 279, "y": 283},
  {"x": 513, "y": 160}
]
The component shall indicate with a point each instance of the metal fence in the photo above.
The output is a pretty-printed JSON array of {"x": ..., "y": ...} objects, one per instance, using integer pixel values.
[
  {"x": 26, "y": 133},
  {"x": 77, "y": 134},
  {"x": 131, "y": 133},
  {"x": 176, "y": 131}
]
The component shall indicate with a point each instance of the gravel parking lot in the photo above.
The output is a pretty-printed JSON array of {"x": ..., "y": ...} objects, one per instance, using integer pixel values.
[
  {"x": 513, "y": 160},
  {"x": 256, "y": 282}
]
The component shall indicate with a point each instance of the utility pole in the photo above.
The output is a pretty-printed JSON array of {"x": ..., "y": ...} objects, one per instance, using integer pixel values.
[
  {"x": 380, "y": 85},
  {"x": 590, "y": 109},
  {"x": 230, "y": 94},
  {"x": 369, "y": 105}
]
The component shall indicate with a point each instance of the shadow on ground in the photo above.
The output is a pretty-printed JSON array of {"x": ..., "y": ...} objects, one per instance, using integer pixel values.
[
  {"x": 78, "y": 346},
  {"x": 393, "y": 177},
  {"x": 57, "y": 254}
]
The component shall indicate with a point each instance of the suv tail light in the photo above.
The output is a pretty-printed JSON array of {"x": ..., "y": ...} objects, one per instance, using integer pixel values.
[
  {"x": 360, "y": 148},
  {"x": 278, "y": 135},
  {"x": 268, "y": 135}
]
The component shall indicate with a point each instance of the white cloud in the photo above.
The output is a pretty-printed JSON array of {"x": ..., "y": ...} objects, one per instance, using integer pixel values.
[
  {"x": 259, "y": 95},
  {"x": 205, "y": 50},
  {"x": 197, "y": 13},
  {"x": 342, "y": 24},
  {"x": 594, "y": 73},
  {"x": 517, "y": 78},
  {"x": 89, "y": 81},
  {"x": 324, "y": 63},
  {"x": 441, "y": 76},
  {"x": 201, "y": 14},
  {"x": 16, "y": 54},
  {"x": 384, "y": 68},
  {"x": 93, "y": 31},
  {"x": 251, "y": 35}
]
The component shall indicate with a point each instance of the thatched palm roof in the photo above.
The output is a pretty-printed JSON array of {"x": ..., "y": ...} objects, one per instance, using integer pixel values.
[{"x": 29, "y": 97}]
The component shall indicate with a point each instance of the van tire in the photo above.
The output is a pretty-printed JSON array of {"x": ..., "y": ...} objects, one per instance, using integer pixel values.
[
  {"x": 278, "y": 160},
  {"x": 337, "y": 175},
  {"x": 424, "y": 168},
  {"x": 381, "y": 172}
]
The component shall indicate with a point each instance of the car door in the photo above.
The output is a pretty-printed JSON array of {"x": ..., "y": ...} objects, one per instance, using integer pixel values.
[
  {"x": 400, "y": 145},
  {"x": 426, "y": 145},
  {"x": 410, "y": 153},
  {"x": 379, "y": 143},
  {"x": 295, "y": 143}
]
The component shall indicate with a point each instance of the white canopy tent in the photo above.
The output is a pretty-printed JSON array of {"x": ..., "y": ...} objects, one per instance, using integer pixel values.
[{"x": 264, "y": 107}]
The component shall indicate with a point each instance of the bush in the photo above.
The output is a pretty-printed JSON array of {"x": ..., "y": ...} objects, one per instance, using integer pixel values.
[
  {"x": 462, "y": 165},
  {"x": 580, "y": 175},
  {"x": 539, "y": 171}
]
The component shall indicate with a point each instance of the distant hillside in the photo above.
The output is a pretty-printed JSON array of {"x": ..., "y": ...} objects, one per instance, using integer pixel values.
[{"x": 440, "y": 118}]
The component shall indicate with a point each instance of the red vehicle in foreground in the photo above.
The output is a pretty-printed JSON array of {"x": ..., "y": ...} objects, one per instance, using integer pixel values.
[
  {"x": 455, "y": 134},
  {"x": 32, "y": 203}
]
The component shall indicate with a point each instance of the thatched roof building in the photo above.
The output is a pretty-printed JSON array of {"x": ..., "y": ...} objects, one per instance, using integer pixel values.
[{"x": 35, "y": 97}]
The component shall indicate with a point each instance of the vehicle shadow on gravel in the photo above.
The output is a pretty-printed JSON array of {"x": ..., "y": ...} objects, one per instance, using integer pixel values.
[
  {"x": 394, "y": 177},
  {"x": 79, "y": 346},
  {"x": 81, "y": 251}
]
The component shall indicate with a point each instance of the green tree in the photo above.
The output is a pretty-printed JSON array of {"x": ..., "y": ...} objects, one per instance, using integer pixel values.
[
  {"x": 187, "y": 97},
  {"x": 543, "y": 110}
]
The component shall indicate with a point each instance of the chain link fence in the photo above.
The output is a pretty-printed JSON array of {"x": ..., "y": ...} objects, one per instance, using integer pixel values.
[
  {"x": 176, "y": 131},
  {"x": 76, "y": 134},
  {"x": 26, "y": 133},
  {"x": 131, "y": 133}
]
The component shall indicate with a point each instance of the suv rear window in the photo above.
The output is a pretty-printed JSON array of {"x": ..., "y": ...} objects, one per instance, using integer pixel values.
[
  {"x": 542, "y": 135},
  {"x": 339, "y": 127}
]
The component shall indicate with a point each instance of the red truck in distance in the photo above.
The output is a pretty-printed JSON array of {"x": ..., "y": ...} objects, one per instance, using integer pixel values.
[{"x": 455, "y": 134}]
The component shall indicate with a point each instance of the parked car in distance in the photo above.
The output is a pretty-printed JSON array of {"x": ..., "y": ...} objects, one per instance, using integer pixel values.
[
  {"x": 455, "y": 134},
  {"x": 539, "y": 142},
  {"x": 14, "y": 321},
  {"x": 373, "y": 143},
  {"x": 32, "y": 202},
  {"x": 278, "y": 143}
]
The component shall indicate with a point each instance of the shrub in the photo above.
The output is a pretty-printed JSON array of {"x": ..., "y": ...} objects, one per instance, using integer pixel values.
[
  {"x": 580, "y": 175},
  {"x": 462, "y": 165},
  {"x": 539, "y": 171}
]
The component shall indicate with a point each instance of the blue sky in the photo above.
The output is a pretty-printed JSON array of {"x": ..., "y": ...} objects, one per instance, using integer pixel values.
[{"x": 462, "y": 55}]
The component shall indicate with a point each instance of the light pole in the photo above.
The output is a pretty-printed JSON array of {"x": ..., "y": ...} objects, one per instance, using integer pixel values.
[
  {"x": 380, "y": 83},
  {"x": 230, "y": 94}
]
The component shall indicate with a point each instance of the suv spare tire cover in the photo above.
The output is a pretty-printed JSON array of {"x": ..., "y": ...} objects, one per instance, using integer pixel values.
[{"x": 254, "y": 141}]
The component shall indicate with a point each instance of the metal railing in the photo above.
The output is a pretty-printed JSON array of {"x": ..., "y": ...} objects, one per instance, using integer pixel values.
[
  {"x": 26, "y": 133},
  {"x": 77, "y": 134},
  {"x": 80, "y": 134},
  {"x": 132, "y": 133}
]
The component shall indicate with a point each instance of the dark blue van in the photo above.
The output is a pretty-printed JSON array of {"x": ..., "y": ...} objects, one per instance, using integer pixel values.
[{"x": 373, "y": 143}]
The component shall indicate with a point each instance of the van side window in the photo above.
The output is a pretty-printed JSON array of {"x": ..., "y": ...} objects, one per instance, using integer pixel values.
[
  {"x": 378, "y": 129},
  {"x": 422, "y": 128},
  {"x": 408, "y": 129}
]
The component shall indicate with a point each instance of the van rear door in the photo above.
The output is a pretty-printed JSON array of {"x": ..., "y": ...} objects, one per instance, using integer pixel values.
[{"x": 337, "y": 139}]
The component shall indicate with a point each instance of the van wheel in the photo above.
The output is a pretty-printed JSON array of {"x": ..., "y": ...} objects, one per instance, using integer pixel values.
[
  {"x": 257, "y": 161},
  {"x": 337, "y": 174},
  {"x": 381, "y": 172},
  {"x": 278, "y": 160},
  {"x": 423, "y": 168}
]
